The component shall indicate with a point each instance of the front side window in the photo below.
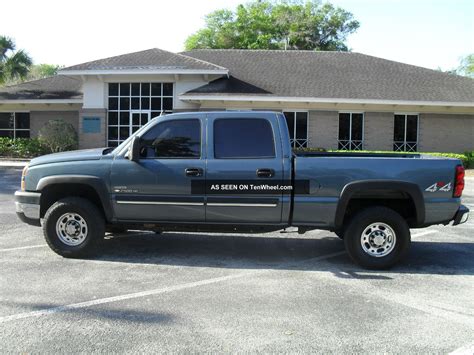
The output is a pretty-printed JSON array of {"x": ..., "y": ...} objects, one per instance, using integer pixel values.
[
  {"x": 15, "y": 124},
  {"x": 405, "y": 133},
  {"x": 243, "y": 138},
  {"x": 173, "y": 139},
  {"x": 132, "y": 105},
  {"x": 351, "y": 131},
  {"x": 297, "y": 123}
]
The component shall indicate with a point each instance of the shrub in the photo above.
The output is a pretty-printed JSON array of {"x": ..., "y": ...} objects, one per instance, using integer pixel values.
[
  {"x": 21, "y": 147},
  {"x": 58, "y": 136}
]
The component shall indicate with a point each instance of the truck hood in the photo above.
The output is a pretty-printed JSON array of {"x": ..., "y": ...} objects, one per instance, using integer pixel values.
[{"x": 75, "y": 155}]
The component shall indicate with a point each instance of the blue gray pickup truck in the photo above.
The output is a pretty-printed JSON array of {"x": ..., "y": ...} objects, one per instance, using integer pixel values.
[{"x": 236, "y": 172}]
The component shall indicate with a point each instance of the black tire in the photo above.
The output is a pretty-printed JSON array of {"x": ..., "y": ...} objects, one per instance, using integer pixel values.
[
  {"x": 95, "y": 227},
  {"x": 353, "y": 238},
  {"x": 340, "y": 234}
]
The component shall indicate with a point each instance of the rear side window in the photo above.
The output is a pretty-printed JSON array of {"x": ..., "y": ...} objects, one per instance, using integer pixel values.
[
  {"x": 243, "y": 138},
  {"x": 172, "y": 139}
]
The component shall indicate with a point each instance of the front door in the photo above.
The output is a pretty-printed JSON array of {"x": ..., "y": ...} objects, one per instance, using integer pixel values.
[
  {"x": 138, "y": 119},
  {"x": 158, "y": 187}
]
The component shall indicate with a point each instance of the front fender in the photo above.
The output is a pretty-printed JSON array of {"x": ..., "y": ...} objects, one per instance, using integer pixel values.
[{"x": 93, "y": 181}]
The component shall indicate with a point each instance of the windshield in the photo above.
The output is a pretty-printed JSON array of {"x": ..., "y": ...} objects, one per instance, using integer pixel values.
[{"x": 122, "y": 145}]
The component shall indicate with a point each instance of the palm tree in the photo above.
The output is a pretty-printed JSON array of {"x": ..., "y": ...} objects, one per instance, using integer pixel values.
[{"x": 13, "y": 64}]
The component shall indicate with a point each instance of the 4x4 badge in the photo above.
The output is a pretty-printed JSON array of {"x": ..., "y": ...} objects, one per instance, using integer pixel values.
[{"x": 439, "y": 186}]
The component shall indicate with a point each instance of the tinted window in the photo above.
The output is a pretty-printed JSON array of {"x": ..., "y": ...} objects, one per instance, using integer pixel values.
[
  {"x": 399, "y": 128},
  {"x": 243, "y": 138},
  {"x": 173, "y": 139},
  {"x": 344, "y": 126},
  {"x": 412, "y": 128},
  {"x": 357, "y": 126}
]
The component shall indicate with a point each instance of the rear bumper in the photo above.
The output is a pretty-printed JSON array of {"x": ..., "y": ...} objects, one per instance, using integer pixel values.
[
  {"x": 461, "y": 216},
  {"x": 27, "y": 206}
]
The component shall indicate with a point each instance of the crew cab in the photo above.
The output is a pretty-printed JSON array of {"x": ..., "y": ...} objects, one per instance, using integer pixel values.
[{"x": 236, "y": 172}]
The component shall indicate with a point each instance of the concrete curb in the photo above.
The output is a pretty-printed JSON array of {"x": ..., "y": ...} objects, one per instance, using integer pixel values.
[{"x": 13, "y": 163}]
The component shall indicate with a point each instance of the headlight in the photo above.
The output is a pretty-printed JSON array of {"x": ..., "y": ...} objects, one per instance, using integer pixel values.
[{"x": 23, "y": 176}]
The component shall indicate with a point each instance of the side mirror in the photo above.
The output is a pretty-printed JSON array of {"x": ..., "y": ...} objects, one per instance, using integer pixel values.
[{"x": 134, "y": 150}]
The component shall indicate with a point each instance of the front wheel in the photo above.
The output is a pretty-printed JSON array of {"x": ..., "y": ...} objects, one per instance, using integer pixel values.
[
  {"x": 73, "y": 227},
  {"x": 377, "y": 238}
]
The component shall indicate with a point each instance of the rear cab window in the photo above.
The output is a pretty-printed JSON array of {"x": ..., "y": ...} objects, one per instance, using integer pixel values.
[{"x": 243, "y": 138}]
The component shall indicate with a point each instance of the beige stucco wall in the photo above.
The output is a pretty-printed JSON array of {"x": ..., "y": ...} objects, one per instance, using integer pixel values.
[
  {"x": 323, "y": 129},
  {"x": 378, "y": 130},
  {"x": 39, "y": 118},
  {"x": 93, "y": 140},
  {"x": 446, "y": 133}
]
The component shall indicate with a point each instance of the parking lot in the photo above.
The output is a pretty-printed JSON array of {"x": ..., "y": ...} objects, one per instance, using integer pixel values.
[{"x": 277, "y": 292}]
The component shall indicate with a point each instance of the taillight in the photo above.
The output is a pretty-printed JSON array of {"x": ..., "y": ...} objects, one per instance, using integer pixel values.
[{"x": 458, "y": 181}]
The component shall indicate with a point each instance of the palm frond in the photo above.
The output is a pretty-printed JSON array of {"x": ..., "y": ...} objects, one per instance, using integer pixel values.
[
  {"x": 6, "y": 44},
  {"x": 17, "y": 65}
]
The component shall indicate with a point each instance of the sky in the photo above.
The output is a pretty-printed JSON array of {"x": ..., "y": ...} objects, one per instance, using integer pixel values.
[{"x": 428, "y": 33}]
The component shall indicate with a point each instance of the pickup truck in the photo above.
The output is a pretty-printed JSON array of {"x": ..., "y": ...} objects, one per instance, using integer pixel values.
[{"x": 236, "y": 172}]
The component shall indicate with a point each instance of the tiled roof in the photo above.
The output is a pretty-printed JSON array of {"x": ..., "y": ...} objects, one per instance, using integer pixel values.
[
  {"x": 53, "y": 88},
  {"x": 344, "y": 75},
  {"x": 151, "y": 59}
]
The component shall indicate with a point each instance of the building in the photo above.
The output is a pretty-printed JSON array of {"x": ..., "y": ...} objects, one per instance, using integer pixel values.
[{"x": 332, "y": 100}]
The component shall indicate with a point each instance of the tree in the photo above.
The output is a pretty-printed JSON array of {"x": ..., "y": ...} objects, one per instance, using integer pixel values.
[
  {"x": 39, "y": 71},
  {"x": 13, "y": 64},
  {"x": 466, "y": 67},
  {"x": 270, "y": 24},
  {"x": 58, "y": 136}
]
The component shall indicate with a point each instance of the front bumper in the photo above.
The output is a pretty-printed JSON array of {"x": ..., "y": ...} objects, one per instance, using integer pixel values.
[
  {"x": 27, "y": 205},
  {"x": 461, "y": 216}
]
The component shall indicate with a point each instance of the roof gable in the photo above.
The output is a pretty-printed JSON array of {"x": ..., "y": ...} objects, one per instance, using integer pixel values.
[{"x": 151, "y": 59}]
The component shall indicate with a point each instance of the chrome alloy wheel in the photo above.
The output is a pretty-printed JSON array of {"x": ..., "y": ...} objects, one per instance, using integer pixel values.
[
  {"x": 378, "y": 239},
  {"x": 71, "y": 229}
]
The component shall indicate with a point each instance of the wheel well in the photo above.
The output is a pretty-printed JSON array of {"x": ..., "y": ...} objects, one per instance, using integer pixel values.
[
  {"x": 51, "y": 194},
  {"x": 400, "y": 202}
]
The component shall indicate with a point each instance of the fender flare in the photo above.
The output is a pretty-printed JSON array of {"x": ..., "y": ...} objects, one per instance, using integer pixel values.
[
  {"x": 352, "y": 188},
  {"x": 94, "y": 182}
]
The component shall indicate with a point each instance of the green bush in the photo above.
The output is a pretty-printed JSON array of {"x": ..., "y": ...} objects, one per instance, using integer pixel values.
[
  {"x": 21, "y": 147},
  {"x": 58, "y": 136},
  {"x": 466, "y": 158}
]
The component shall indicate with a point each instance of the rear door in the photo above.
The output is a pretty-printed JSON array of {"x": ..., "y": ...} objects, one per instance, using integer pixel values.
[{"x": 243, "y": 148}]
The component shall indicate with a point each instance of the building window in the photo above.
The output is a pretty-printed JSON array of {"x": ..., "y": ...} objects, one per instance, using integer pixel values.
[
  {"x": 297, "y": 123},
  {"x": 15, "y": 124},
  {"x": 131, "y": 105},
  {"x": 405, "y": 133},
  {"x": 351, "y": 131}
]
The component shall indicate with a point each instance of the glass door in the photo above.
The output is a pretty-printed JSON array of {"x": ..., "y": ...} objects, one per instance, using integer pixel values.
[{"x": 138, "y": 119}]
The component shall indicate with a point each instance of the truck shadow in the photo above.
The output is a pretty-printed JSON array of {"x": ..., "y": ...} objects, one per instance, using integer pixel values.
[{"x": 279, "y": 253}]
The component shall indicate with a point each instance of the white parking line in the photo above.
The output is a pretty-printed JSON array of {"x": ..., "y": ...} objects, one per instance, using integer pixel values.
[
  {"x": 27, "y": 247},
  {"x": 65, "y": 308},
  {"x": 465, "y": 350},
  {"x": 423, "y": 233}
]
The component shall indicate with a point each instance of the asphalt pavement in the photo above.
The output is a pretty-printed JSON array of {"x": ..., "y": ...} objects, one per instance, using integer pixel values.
[{"x": 198, "y": 292}]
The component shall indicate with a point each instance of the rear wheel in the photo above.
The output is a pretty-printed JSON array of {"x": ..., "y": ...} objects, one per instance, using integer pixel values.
[
  {"x": 73, "y": 227},
  {"x": 377, "y": 238}
]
